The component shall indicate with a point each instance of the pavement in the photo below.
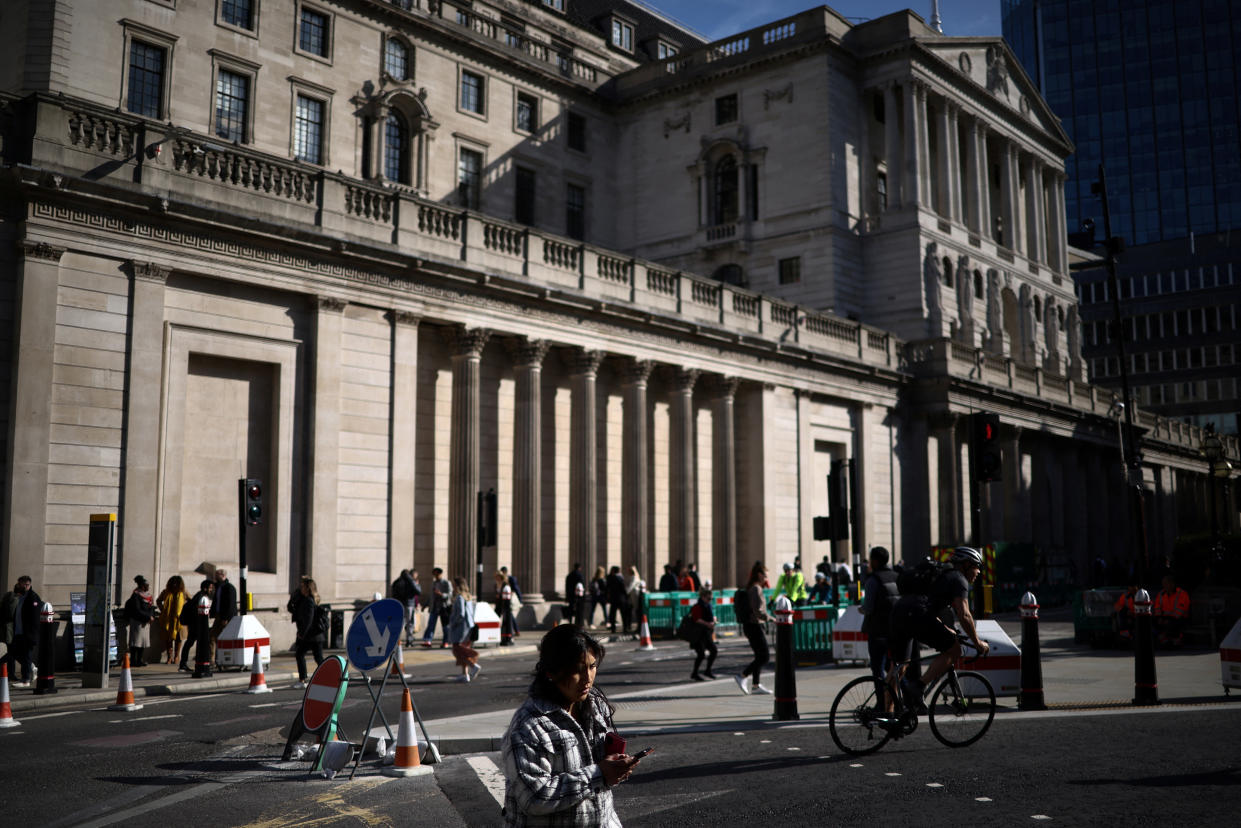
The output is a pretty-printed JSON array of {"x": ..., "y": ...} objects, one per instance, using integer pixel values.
[{"x": 1076, "y": 680}]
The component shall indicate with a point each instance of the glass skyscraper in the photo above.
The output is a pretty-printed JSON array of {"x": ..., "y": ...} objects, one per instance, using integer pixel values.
[{"x": 1151, "y": 88}]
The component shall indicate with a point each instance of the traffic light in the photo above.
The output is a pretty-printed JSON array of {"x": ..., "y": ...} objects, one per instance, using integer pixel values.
[
  {"x": 487, "y": 518},
  {"x": 988, "y": 463},
  {"x": 252, "y": 502}
]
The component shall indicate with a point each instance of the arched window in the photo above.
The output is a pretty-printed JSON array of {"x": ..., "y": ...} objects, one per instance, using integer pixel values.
[
  {"x": 396, "y": 59},
  {"x": 724, "y": 191},
  {"x": 730, "y": 274},
  {"x": 396, "y": 149}
]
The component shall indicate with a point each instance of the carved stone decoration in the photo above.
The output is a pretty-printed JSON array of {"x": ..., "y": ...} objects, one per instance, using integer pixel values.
[
  {"x": 997, "y": 72},
  {"x": 149, "y": 271},
  {"x": 406, "y": 318},
  {"x": 1051, "y": 328},
  {"x": 1026, "y": 324},
  {"x": 932, "y": 278},
  {"x": 468, "y": 342},
  {"x": 582, "y": 361},
  {"x": 965, "y": 299},
  {"x": 995, "y": 314},
  {"x": 331, "y": 304},
  {"x": 963, "y": 61},
  {"x": 671, "y": 125},
  {"x": 723, "y": 388},
  {"x": 784, "y": 93},
  {"x": 1073, "y": 328},
  {"x": 636, "y": 371},
  {"x": 527, "y": 353},
  {"x": 41, "y": 250},
  {"x": 684, "y": 379}
]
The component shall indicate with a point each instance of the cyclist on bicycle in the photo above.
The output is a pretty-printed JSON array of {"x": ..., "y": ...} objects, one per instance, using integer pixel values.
[{"x": 917, "y": 618}]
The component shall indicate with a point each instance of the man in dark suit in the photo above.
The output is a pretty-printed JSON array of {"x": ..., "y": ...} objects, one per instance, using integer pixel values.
[
  {"x": 223, "y": 606},
  {"x": 19, "y": 613}
]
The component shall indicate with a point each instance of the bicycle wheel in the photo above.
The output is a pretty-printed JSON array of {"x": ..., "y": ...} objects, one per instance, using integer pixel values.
[
  {"x": 855, "y": 718},
  {"x": 962, "y": 708}
]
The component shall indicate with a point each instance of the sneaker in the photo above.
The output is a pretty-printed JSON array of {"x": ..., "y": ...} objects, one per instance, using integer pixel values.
[
  {"x": 21, "y": 684},
  {"x": 183, "y": 667},
  {"x": 301, "y": 685},
  {"x": 463, "y": 677},
  {"x": 708, "y": 674},
  {"x": 426, "y": 644},
  {"x": 743, "y": 682},
  {"x": 475, "y": 669},
  {"x": 758, "y": 688},
  {"x": 696, "y": 677}
]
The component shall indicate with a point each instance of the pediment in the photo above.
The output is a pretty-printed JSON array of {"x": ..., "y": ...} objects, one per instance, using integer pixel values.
[{"x": 990, "y": 65}]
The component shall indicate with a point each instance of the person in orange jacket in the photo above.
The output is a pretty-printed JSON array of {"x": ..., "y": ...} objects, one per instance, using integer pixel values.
[
  {"x": 1171, "y": 612},
  {"x": 1122, "y": 612}
]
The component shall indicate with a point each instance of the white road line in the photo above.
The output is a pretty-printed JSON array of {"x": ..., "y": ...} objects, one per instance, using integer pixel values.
[
  {"x": 983, "y": 799},
  {"x": 935, "y": 784},
  {"x": 794, "y": 748},
  {"x": 1039, "y": 816},
  {"x": 891, "y": 773},
  {"x": 270, "y": 704},
  {"x": 145, "y": 718},
  {"x": 489, "y": 774},
  {"x": 49, "y": 715},
  {"x": 857, "y": 765}
]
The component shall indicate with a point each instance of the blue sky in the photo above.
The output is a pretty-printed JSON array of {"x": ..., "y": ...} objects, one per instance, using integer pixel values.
[{"x": 721, "y": 18}]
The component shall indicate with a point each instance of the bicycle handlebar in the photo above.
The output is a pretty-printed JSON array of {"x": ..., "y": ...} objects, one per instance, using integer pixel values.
[{"x": 967, "y": 642}]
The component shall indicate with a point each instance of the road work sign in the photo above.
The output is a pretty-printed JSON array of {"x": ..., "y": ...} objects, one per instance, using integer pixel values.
[{"x": 374, "y": 634}]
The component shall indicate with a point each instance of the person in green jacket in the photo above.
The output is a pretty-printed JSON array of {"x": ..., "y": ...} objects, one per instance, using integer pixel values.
[{"x": 793, "y": 584}]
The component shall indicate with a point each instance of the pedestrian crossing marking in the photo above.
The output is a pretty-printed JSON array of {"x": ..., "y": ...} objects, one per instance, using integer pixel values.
[{"x": 489, "y": 774}]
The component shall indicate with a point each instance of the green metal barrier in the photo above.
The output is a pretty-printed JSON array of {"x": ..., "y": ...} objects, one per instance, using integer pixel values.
[
  {"x": 812, "y": 630},
  {"x": 665, "y": 609}
]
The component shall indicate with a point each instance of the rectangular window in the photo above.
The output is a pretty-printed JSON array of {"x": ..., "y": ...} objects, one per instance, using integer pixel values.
[
  {"x": 308, "y": 130},
  {"x": 313, "y": 33},
  {"x": 575, "y": 212},
  {"x": 622, "y": 35},
  {"x": 576, "y": 132},
  {"x": 146, "y": 79},
  {"x": 523, "y": 206},
  {"x": 527, "y": 113},
  {"x": 558, "y": 5},
  {"x": 232, "y": 104},
  {"x": 726, "y": 109},
  {"x": 790, "y": 270},
  {"x": 881, "y": 189},
  {"x": 238, "y": 13},
  {"x": 665, "y": 50},
  {"x": 469, "y": 178},
  {"x": 472, "y": 92}
]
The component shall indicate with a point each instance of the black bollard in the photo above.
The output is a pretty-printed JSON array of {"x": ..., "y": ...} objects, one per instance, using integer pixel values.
[
  {"x": 786, "y": 680},
  {"x": 1031, "y": 661},
  {"x": 1145, "y": 686},
  {"x": 46, "y": 683},
  {"x": 506, "y": 616},
  {"x": 202, "y": 656}
]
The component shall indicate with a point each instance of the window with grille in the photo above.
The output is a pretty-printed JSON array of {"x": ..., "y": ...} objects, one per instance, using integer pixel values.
[
  {"x": 308, "y": 130},
  {"x": 575, "y": 211},
  {"x": 724, "y": 191},
  {"x": 527, "y": 112},
  {"x": 396, "y": 149},
  {"x": 396, "y": 59},
  {"x": 726, "y": 109},
  {"x": 790, "y": 270},
  {"x": 469, "y": 178},
  {"x": 146, "y": 79},
  {"x": 313, "y": 33},
  {"x": 523, "y": 207},
  {"x": 238, "y": 13},
  {"x": 472, "y": 92},
  {"x": 232, "y": 103}
]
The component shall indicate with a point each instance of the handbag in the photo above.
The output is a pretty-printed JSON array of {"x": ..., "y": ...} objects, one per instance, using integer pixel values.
[
  {"x": 474, "y": 633},
  {"x": 688, "y": 630}
]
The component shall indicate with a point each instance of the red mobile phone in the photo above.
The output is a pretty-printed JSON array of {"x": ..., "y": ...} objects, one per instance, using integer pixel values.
[{"x": 613, "y": 743}]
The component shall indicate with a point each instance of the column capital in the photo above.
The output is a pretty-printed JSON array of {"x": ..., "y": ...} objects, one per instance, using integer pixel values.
[
  {"x": 407, "y": 318},
  {"x": 636, "y": 371},
  {"x": 583, "y": 361},
  {"x": 468, "y": 342},
  {"x": 40, "y": 250},
  {"x": 722, "y": 387},
  {"x": 331, "y": 304},
  {"x": 683, "y": 379},
  {"x": 527, "y": 352},
  {"x": 149, "y": 271}
]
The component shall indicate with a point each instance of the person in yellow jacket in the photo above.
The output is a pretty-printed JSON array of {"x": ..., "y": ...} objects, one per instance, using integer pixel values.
[
  {"x": 1171, "y": 612},
  {"x": 171, "y": 601},
  {"x": 793, "y": 584}
]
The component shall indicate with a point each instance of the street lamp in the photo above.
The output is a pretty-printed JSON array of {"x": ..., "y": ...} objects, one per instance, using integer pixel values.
[{"x": 1213, "y": 450}]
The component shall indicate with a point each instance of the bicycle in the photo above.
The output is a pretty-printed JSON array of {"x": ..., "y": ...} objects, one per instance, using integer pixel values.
[{"x": 867, "y": 714}]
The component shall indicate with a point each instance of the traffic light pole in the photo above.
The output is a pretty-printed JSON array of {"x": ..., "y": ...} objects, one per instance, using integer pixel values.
[{"x": 241, "y": 542}]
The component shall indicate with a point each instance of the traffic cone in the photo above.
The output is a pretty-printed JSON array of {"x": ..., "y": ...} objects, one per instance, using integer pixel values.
[
  {"x": 125, "y": 693},
  {"x": 6, "y": 709},
  {"x": 398, "y": 663},
  {"x": 407, "y": 762},
  {"x": 644, "y": 635},
  {"x": 258, "y": 683}
]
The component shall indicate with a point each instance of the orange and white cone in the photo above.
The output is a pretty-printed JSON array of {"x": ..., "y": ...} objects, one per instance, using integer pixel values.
[
  {"x": 644, "y": 635},
  {"x": 258, "y": 682},
  {"x": 6, "y": 709},
  {"x": 406, "y": 762},
  {"x": 398, "y": 663},
  {"x": 125, "y": 693}
]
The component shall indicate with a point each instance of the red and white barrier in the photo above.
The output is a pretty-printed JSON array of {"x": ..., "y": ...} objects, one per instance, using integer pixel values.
[
  {"x": 848, "y": 641},
  {"x": 1230, "y": 657},
  {"x": 1001, "y": 666}
]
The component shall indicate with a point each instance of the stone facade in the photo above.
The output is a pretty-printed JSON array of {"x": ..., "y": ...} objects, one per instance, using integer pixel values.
[{"x": 334, "y": 303}]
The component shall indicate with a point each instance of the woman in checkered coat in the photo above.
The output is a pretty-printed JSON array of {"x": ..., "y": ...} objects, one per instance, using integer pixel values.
[{"x": 557, "y": 767}]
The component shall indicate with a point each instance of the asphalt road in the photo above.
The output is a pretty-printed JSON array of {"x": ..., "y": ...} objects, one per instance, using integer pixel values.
[{"x": 215, "y": 760}]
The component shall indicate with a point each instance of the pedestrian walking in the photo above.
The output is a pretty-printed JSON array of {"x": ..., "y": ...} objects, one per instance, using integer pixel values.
[
  {"x": 406, "y": 590},
  {"x": 572, "y": 581},
  {"x": 598, "y": 595},
  {"x": 561, "y": 754},
  {"x": 618, "y": 600},
  {"x": 462, "y": 631},
  {"x": 704, "y": 617},
  {"x": 223, "y": 606},
  {"x": 308, "y": 617},
  {"x": 439, "y": 608},
  {"x": 668, "y": 581},
  {"x": 170, "y": 602},
  {"x": 752, "y": 613},
  {"x": 515, "y": 603},
  {"x": 189, "y": 621},
  {"x": 19, "y": 614},
  {"x": 140, "y": 609}
]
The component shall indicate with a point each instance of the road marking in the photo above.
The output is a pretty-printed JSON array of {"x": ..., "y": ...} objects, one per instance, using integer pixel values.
[
  {"x": 489, "y": 775},
  {"x": 935, "y": 784},
  {"x": 49, "y": 715},
  {"x": 857, "y": 765},
  {"x": 1039, "y": 816},
  {"x": 794, "y": 748},
  {"x": 983, "y": 799},
  {"x": 738, "y": 734},
  {"x": 269, "y": 704},
  {"x": 334, "y": 801},
  {"x": 146, "y": 718},
  {"x": 891, "y": 773}
]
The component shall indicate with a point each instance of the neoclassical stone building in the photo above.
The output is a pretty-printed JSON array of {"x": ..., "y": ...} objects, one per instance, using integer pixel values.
[{"x": 386, "y": 255}]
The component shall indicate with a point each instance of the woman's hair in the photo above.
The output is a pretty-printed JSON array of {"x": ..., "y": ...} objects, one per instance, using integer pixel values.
[
  {"x": 310, "y": 585},
  {"x": 756, "y": 573},
  {"x": 176, "y": 584},
  {"x": 462, "y": 588},
  {"x": 600, "y": 572},
  {"x": 562, "y": 650}
]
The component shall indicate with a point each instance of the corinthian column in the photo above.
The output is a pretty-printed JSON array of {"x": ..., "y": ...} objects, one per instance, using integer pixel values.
[
  {"x": 528, "y": 357},
  {"x": 583, "y": 464},
  {"x": 725, "y": 571},
  {"x": 463, "y": 453},
  {"x": 683, "y": 501},
  {"x": 635, "y": 505}
]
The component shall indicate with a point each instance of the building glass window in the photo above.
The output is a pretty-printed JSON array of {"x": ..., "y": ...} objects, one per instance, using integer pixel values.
[
  {"x": 575, "y": 212},
  {"x": 558, "y": 5},
  {"x": 396, "y": 59},
  {"x": 527, "y": 112},
  {"x": 881, "y": 189},
  {"x": 576, "y": 132},
  {"x": 622, "y": 35},
  {"x": 726, "y": 109},
  {"x": 978, "y": 294},
  {"x": 313, "y": 33},
  {"x": 790, "y": 270},
  {"x": 396, "y": 149},
  {"x": 232, "y": 104},
  {"x": 469, "y": 178},
  {"x": 308, "y": 130},
  {"x": 665, "y": 50},
  {"x": 146, "y": 79},
  {"x": 523, "y": 206},
  {"x": 237, "y": 13},
  {"x": 724, "y": 191},
  {"x": 472, "y": 92}
]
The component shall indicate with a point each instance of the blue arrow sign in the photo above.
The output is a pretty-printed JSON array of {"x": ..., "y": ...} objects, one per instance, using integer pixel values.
[{"x": 374, "y": 634}]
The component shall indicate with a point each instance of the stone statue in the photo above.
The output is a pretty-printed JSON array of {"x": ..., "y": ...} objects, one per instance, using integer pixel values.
[
  {"x": 1025, "y": 327},
  {"x": 932, "y": 278},
  {"x": 1074, "y": 332},
  {"x": 995, "y": 316},
  {"x": 965, "y": 299},
  {"x": 1051, "y": 326}
]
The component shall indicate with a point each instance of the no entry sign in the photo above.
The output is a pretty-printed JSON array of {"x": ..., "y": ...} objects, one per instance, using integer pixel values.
[{"x": 324, "y": 694}]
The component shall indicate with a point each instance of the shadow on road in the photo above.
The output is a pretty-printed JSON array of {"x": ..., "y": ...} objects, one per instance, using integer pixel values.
[{"x": 1226, "y": 776}]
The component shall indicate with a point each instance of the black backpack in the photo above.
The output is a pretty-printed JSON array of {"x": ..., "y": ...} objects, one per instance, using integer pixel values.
[
  {"x": 741, "y": 606},
  {"x": 400, "y": 590},
  {"x": 322, "y": 621},
  {"x": 918, "y": 579}
]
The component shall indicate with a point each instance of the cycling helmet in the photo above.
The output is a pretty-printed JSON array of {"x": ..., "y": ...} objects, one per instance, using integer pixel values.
[{"x": 966, "y": 555}]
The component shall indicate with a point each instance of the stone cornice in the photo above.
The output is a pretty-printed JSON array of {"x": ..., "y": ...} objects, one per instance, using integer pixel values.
[
  {"x": 40, "y": 250},
  {"x": 330, "y": 304},
  {"x": 149, "y": 271}
]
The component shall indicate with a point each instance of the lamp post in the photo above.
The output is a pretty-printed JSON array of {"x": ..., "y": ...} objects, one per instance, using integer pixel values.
[{"x": 1213, "y": 450}]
